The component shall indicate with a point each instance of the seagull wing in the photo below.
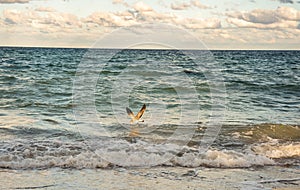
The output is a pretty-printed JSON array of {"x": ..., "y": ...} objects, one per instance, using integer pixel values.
[
  {"x": 141, "y": 112},
  {"x": 130, "y": 113}
]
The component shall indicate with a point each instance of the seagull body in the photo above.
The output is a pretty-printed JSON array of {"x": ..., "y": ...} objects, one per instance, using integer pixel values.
[{"x": 136, "y": 118}]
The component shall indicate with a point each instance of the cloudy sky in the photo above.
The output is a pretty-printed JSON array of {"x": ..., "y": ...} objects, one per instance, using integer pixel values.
[{"x": 219, "y": 24}]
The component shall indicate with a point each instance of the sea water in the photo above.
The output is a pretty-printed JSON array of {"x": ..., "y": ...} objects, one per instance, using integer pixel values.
[{"x": 65, "y": 108}]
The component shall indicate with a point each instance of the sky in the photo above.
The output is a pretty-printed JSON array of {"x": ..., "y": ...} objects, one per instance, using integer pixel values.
[{"x": 218, "y": 24}]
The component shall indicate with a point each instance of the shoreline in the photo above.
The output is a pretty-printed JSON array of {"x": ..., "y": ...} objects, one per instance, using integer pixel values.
[{"x": 267, "y": 177}]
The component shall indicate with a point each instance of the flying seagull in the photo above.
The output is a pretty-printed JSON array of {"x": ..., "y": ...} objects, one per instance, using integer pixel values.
[{"x": 137, "y": 117}]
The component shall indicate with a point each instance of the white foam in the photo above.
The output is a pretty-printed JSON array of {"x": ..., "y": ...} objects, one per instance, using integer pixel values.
[
  {"x": 275, "y": 150},
  {"x": 104, "y": 153},
  {"x": 224, "y": 158}
]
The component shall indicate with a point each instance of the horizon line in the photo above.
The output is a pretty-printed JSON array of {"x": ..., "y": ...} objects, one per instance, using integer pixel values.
[{"x": 116, "y": 48}]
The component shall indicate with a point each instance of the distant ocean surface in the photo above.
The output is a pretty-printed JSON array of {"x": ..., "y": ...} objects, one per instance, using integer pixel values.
[{"x": 49, "y": 118}]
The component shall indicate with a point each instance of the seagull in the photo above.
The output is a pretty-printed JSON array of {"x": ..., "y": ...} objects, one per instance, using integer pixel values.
[{"x": 138, "y": 116}]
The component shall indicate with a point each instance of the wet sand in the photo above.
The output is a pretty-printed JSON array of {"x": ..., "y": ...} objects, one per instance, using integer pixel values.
[{"x": 269, "y": 177}]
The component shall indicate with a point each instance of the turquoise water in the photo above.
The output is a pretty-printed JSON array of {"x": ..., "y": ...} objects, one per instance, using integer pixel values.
[
  {"x": 261, "y": 86},
  {"x": 53, "y": 100}
]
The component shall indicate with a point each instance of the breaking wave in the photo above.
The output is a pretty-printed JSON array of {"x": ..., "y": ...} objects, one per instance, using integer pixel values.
[{"x": 110, "y": 152}]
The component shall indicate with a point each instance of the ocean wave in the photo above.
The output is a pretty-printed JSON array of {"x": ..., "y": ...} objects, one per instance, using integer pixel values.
[
  {"x": 111, "y": 152},
  {"x": 266, "y": 132},
  {"x": 276, "y": 150}
]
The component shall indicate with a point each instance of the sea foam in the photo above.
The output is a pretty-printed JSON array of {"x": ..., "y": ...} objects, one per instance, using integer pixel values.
[{"x": 53, "y": 153}]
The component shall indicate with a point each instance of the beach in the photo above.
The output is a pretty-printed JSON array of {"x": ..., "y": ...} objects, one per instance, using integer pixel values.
[{"x": 268, "y": 177}]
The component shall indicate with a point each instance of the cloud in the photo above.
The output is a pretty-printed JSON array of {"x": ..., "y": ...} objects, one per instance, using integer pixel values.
[
  {"x": 13, "y": 1},
  {"x": 256, "y": 16},
  {"x": 15, "y": 17},
  {"x": 49, "y": 20},
  {"x": 122, "y": 2},
  {"x": 185, "y": 6},
  {"x": 250, "y": 38},
  {"x": 41, "y": 21},
  {"x": 196, "y": 3},
  {"x": 141, "y": 13},
  {"x": 194, "y": 23},
  {"x": 118, "y": 1},
  {"x": 288, "y": 13},
  {"x": 286, "y": 1},
  {"x": 180, "y": 6},
  {"x": 111, "y": 19},
  {"x": 282, "y": 17},
  {"x": 277, "y": 25},
  {"x": 32, "y": 27},
  {"x": 142, "y": 7},
  {"x": 45, "y": 9}
]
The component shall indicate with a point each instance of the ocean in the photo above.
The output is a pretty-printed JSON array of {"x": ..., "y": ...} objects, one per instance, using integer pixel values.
[{"x": 65, "y": 108}]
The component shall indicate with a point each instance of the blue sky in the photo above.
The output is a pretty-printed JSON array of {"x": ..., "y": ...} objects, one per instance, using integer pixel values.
[{"x": 239, "y": 24}]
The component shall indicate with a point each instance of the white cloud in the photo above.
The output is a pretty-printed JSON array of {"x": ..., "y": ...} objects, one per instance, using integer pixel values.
[
  {"x": 256, "y": 16},
  {"x": 286, "y": 1},
  {"x": 111, "y": 19},
  {"x": 250, "y": 38},
  {"x": 282, "y": 17},
  {"x": 143, "y": 13},
  {"x": 41, "y": 21},
  {"x": 13, "y": 1},
  {"x": 122, "y": 2},
  {"x": 142, "y": 7},
  {"x": 16, "y": 17},
  {"x": 253, "y": 29},
  {"x": 245, "y": 24},
  {"x": 194, "y": 23},
  {"x": 180, "y": 6},
  {"x": 197, "y": 3},
  {"x": 45, "y": 9},
  {"x": 47, "y": 20},
  {"x": 288, "y": 13},
  {"x": 118, "y": 1},
  {"x": 184, "y": 5}
]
